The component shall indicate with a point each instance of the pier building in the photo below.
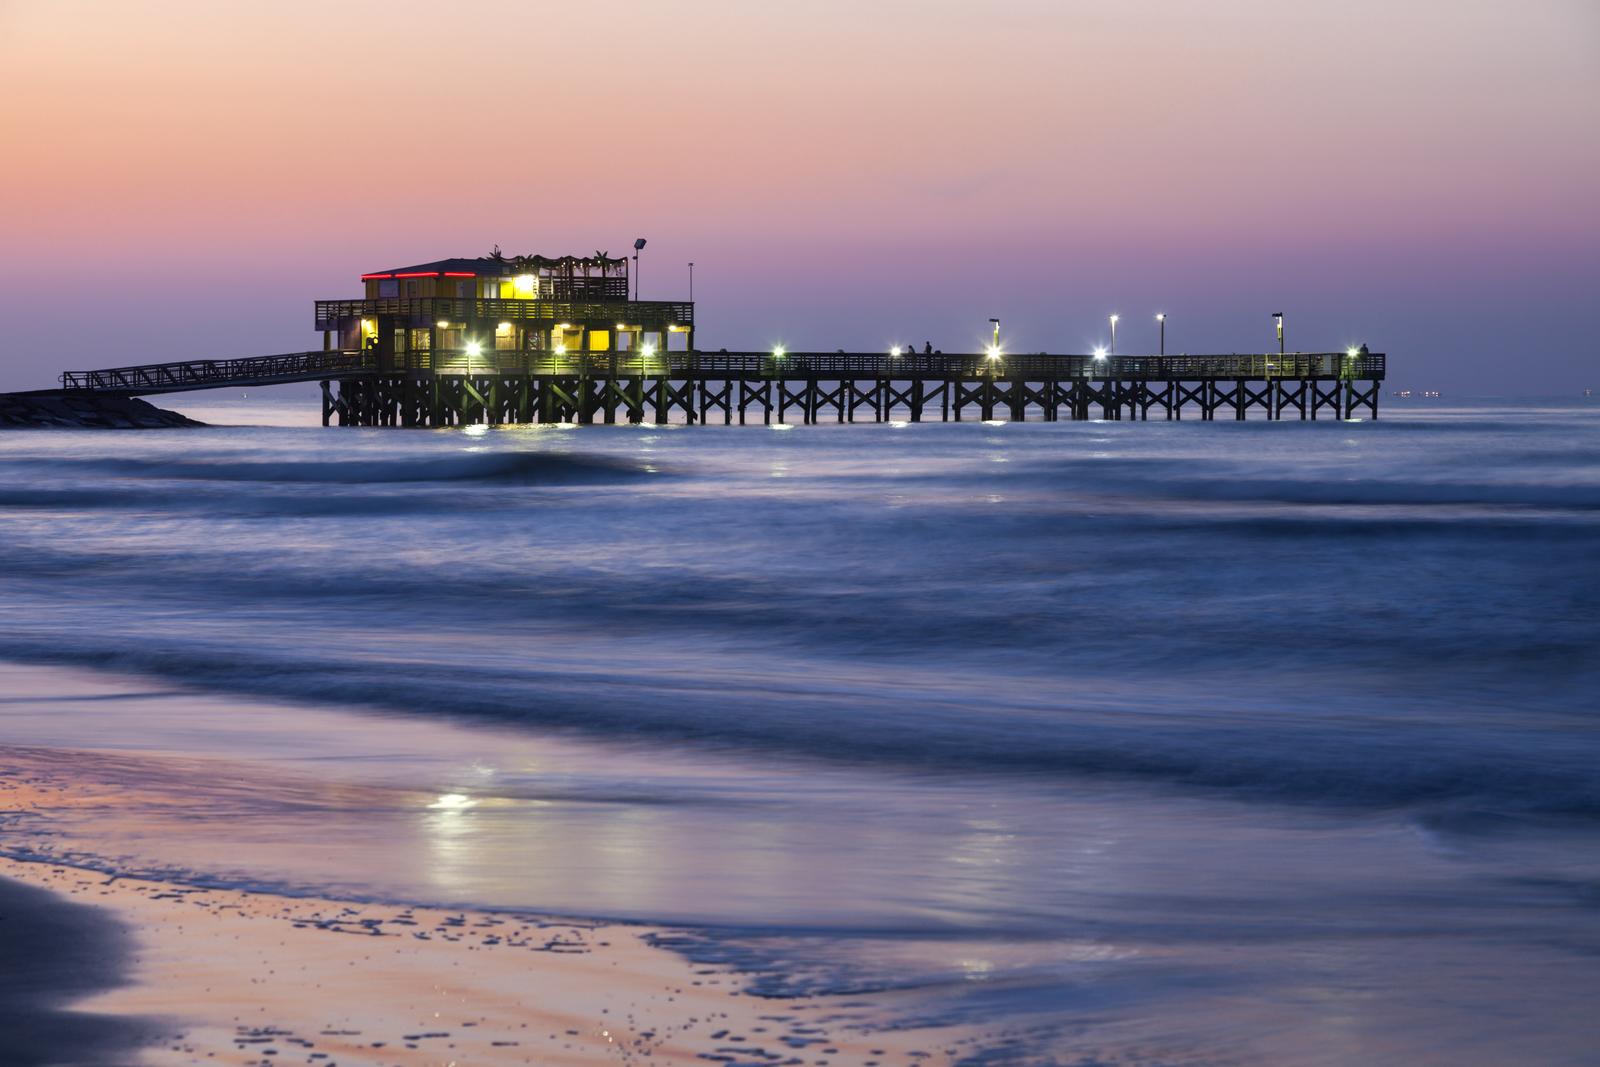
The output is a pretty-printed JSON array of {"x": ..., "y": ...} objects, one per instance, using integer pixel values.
[{"x": 454, "y": 316}]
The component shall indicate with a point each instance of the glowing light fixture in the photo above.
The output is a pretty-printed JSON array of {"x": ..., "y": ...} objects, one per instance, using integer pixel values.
[
  {"x": 993, "y": 352},
  {"x": 647, "y": 350},
  {"x": 525, "y": 284},
  {"x": 474, "y": 348},
  {"x": 1100, "y": 353},
  {"x": 561, "y": 349},
  {"x": 443, "y": 325},
  {"x": 1352, "y": 353},
  {"x": 895, "y": 351},
  {"x": 777, "y": 352}
]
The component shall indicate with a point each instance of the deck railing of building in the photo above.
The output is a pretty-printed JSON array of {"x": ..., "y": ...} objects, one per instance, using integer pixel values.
[{"x": 427, "y": 310}]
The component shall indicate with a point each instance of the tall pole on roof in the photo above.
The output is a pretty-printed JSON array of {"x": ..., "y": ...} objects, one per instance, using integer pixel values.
[
  {"x": 691, "y": 281},
  {"x": 638, "y": 244}
]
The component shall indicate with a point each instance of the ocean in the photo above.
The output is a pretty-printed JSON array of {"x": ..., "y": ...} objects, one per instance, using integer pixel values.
[{"x": 1147, "y": 742}]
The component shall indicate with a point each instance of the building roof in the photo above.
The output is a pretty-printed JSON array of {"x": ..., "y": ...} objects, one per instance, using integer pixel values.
[
  {"x": 471, "y": 267},
  {"x": 501, "y": 266}
]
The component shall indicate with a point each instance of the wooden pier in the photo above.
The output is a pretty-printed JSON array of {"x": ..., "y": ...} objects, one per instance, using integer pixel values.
[{"x": 362, "y": 388}]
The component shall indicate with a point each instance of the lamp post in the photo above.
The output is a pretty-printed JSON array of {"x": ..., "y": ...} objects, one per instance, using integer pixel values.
[
  {"x": 1278, "y": 317},
  {"x": 638, "y": 246},
  {"x": 1114, "y": 319},
  {"x": 691, "y": 281},
  {"x": 1161, "y": 317}
]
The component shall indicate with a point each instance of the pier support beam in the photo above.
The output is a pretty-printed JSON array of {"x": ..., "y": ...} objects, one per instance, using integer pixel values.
[{"x": 420, "y": 398}]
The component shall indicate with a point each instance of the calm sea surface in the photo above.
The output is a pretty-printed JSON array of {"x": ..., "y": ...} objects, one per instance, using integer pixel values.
[{"x": 1196, "y": 742}]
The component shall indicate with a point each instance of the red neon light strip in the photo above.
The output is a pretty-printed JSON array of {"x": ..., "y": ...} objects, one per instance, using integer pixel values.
[
  {"x": 419, "y": 274},
  {"x": 459, "y": 274},
  {"x": 375, "y": 277}
]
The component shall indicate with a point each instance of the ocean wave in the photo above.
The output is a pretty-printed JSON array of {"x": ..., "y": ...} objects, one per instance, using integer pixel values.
[
  {"x": 1264, "y": 746},
  {"x": 536, "y": 468}
]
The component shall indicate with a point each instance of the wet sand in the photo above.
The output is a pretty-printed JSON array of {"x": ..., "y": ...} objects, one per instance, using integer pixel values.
[{"x": 248, "y": 979}]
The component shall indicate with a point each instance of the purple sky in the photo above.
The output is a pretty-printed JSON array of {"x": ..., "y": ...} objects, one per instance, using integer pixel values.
[{"x": 183, "y": 179}]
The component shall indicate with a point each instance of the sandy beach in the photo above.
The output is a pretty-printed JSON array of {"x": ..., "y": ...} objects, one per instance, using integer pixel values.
[{"x": 248, "y": 979}]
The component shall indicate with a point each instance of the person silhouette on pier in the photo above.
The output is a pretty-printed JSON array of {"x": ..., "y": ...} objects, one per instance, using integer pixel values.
[{"x": 927, "y": 348}]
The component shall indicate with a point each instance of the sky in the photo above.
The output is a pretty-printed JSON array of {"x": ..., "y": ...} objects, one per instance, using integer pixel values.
[{"x": 182, "y": 179}]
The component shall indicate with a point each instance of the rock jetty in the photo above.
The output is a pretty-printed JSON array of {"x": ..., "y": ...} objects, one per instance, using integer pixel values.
[{"x": 97, "y": 411}]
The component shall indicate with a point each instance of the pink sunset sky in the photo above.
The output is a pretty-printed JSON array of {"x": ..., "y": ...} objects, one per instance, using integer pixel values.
[{"x": 183, "y": 179}]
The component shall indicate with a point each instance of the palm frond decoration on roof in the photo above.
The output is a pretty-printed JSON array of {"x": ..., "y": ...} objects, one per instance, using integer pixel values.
[{"x": 604, "y": 262}]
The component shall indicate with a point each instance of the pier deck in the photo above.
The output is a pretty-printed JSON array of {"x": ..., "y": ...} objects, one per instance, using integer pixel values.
[{"x": 498, "y": 387}]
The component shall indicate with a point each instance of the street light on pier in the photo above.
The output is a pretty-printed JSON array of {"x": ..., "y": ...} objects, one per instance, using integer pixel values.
[
  {"x": 638, "y": 246},
  {"x": 1114, "y": 319},
  {"x": 1161, "y": 317},
  {"x": 1278, "y": 318}
]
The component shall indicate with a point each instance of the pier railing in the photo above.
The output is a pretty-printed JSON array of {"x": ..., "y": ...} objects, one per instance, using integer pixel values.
[
  {"x": 837, "y": 365},
  {"x": 314, "y": 366},
  {"x": 217, "y": 373}
]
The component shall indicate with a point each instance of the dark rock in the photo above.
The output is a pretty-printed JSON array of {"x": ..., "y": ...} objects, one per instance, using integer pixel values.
[{"x": 86, "y": 411}]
